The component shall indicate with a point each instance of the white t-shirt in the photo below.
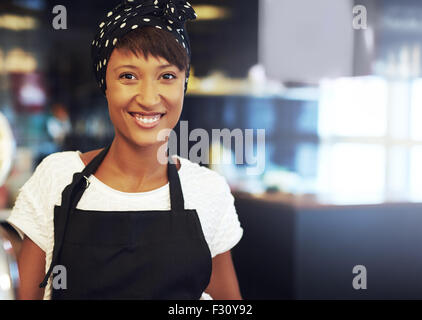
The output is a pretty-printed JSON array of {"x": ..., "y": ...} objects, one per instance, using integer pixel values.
[{"x": 203, "y": 190}]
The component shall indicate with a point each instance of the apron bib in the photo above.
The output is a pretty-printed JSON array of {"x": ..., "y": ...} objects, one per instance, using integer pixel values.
[{"x": 129, "y": 254}]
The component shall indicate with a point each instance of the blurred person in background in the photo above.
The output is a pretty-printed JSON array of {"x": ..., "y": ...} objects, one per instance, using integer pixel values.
[
  {"x": 58, "y": 124},
  {"x": 59, "y": 127}
]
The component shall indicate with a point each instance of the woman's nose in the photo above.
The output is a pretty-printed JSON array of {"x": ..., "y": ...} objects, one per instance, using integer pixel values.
[{"x": 148, "y": 94}]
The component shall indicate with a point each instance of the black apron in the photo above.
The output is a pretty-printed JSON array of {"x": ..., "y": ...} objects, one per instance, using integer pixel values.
[{"x": 129, "y": 254}]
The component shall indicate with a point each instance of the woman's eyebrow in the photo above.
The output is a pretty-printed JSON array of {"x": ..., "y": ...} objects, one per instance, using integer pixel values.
[
  {"x": 134, "y": 67},
  {"x": 165, "y": 66},
  {"x": 125, "y": 66}
]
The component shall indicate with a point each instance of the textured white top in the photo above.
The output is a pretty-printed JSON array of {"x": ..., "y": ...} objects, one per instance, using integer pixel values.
[{"x": 203, "y": 190}]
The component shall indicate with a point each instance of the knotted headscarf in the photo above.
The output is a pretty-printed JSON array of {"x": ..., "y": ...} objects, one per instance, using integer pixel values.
[{"x": 169, "y": 15}]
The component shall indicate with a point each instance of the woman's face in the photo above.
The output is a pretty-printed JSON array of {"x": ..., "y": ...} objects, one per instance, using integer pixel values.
[{"x": 144, "y": 96}]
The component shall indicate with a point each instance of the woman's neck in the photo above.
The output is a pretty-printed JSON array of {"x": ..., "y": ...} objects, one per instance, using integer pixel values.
[{"x": 132, "y": 168}]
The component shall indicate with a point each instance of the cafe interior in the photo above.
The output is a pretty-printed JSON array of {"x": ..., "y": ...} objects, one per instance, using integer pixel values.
[{"x": 331, "y": 93}]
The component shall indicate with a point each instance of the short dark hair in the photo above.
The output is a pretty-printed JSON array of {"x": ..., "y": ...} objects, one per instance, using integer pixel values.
[{"x": 158, "y": 43}]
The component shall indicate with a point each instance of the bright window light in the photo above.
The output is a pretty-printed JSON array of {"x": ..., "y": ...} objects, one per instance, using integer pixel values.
[
  {"x": 416, "y": 173},
  {"x": 351, "y": 173},
  {"x": 416, "y": 110},
  {"x": 353, "y": 107}
]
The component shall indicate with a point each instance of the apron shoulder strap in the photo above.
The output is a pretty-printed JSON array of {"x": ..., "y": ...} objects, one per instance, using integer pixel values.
[
  {"x": 176, "y": 194},
  {"x": 70, "y": 198}
]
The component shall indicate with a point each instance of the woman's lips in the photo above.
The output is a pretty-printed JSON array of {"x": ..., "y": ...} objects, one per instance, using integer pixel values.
[{"x": 146, "y": 121}]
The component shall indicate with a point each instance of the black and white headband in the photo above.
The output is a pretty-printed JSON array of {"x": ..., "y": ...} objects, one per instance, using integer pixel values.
[{"x": 169, "y": 15}]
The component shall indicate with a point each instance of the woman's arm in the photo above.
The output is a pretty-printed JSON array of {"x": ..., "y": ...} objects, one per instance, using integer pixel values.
[
  {"x": 223, "y": 284},
  {"x": 31, "y": 265}
]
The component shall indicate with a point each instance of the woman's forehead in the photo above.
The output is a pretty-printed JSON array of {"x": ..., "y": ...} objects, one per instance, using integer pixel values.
[{"x": 127, "y": 56}]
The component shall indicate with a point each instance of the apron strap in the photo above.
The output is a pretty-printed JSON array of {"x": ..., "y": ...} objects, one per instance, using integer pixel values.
[
  {"x": 176, "y": 194},
  {"x": 67, "y": 193},
  {"x": 93, "y": 165},
  {"x": 70, "y": 198}
]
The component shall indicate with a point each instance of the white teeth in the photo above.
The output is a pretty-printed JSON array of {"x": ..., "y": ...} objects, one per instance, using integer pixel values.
[{"x": 148, "y": 119}]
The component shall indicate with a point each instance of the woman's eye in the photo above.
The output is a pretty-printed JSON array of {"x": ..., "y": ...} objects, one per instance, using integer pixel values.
[
  {"x": 125, "y": 76},
  {"x": 169, "y": 74}
]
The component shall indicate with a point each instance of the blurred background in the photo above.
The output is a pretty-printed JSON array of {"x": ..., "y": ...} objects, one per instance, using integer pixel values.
[{"x": 340, "y": 102}]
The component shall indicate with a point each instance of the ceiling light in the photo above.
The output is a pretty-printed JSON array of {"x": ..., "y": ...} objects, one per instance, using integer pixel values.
[
  {"x": 17, "y": 23},
  {"x": 208, "y": 12}
]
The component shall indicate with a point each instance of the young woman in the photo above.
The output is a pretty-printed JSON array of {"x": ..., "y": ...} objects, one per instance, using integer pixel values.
[{"x": 118, "y": 223}]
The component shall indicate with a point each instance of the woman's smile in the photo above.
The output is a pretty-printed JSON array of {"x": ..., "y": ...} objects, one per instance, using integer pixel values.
[{"x": 147, "y": 120}]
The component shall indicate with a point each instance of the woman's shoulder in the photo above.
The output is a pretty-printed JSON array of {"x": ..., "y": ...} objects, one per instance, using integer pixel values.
[
  {"x": 56, "y": 165},
  {"x": 50, "y": 176},
  {"x": 192, "y": 168},
  {"x": 202, "y": 177},
  {"x": 86, "y": 157},
  {"x": 56, "y": 159}
]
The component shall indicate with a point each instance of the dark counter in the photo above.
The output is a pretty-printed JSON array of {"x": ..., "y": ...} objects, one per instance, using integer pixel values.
[{"x": 293, "y": 251}]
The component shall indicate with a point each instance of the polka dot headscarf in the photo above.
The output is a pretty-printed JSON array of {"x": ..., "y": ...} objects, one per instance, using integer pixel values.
[{"x": 169, "y": 15}]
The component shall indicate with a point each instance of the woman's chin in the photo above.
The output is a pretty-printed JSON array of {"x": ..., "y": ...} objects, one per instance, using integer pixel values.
[{"x": 147, "y": 141}]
